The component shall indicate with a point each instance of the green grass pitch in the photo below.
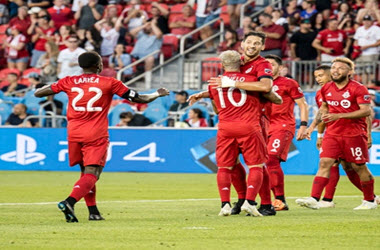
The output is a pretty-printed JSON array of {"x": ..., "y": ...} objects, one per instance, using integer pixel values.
[{"x": 177, "y": 211}]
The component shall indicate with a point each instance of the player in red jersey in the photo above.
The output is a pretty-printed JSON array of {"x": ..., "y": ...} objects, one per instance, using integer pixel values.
[
  {"x": 346, "y": 104},
  {"x": 282, "y": 128},
  {"x": 239, "y": 130},
  {"x": 90, "y": 97}
]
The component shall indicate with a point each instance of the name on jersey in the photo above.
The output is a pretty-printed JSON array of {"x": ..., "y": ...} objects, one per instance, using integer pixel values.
[
  {"x": 92, "y": 79},
  {"x": 237, "y": 78}
]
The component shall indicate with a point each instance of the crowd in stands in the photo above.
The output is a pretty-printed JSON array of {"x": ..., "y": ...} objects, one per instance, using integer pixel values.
[{"x": 42, "y": 39}]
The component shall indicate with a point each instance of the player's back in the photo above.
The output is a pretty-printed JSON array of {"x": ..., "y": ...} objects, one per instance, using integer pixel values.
[
  {"x": 239, "y": 110},
  {"x": 90, "y": 97}
]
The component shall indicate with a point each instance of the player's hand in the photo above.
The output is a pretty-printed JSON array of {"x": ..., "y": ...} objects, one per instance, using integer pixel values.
[
  {"x": 216, "y": 82},
  {"x": 307, "y": 134},
  {"x": 319, "y": 143},
  {"x": 326, "y": 118},
  {"x": 369, "y": 143},
  {"x": 222, "y": 82},
  {"x": 194, "y": 98},
  {"x": 301, "y": 134},
  {"x": 163, "y": 92},
  {"x": 328, "y": 50}
]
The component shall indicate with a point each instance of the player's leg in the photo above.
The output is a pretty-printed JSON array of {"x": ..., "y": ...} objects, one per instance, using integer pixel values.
[
  {"x": 351, "y": 174},
  {"x": 327, "y": 201},
  {"x": 266, "y": 207},
  {"x": 240, "y": 184},
  {"x": 90, "y": 200},
  {"x": 367, "y": 182}
]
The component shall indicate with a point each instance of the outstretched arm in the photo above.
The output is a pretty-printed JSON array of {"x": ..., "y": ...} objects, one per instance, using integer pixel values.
[
  {"x": 133, "y": 96},
  {"x": 44, "y": 91},
  {"x": 263, "y": 85},
  {"x": 273, "y": 97},
  {"x": 196, "y": 97}
]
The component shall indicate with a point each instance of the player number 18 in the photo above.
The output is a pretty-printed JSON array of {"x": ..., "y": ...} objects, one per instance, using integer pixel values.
[{"x": 231, "y": 98}]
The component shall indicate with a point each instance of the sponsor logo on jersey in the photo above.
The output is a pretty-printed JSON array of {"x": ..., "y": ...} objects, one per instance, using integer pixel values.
[
  {"x": 346, "y": 94},
  {"x": 267, "y": 71},
  {"x": 345, "y": 104},
  {"x": 333, "y": 103},
  {"x": 25, "y": 152}
]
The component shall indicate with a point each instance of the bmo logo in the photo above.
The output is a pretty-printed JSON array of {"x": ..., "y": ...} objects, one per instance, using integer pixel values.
[
  {"x": 333, "y": 103},
  {"x": 345, "y": 104}
]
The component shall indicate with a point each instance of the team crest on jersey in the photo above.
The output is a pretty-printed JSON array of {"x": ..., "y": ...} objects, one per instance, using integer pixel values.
[
  {"x": 346, "y": 94},
  {"x": 367, "y": 97},
  {"x": 345, "y": 104},
  {"x": 248, "y": 70},
  {"x": 267, "y": 71}
]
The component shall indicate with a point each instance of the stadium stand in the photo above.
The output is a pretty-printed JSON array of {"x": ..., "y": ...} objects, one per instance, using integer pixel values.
[{"x": 113, "y": 116}]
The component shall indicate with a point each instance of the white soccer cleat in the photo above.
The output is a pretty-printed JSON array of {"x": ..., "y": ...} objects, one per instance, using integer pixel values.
[
  {"x": 308, "y": 202},
  {"x": 366, "y": 205},
  {"x": 250, "y": 209},
  {"x": 226, "y": 210},
  {"x": 377, "y": 200},
  {"x": 326, "y": 204}
]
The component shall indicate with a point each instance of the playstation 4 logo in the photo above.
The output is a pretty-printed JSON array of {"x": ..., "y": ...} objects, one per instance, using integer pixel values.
[{"x": 25, "y": 153}]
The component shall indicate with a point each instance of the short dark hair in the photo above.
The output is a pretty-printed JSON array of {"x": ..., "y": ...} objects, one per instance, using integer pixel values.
[
  {"x": 256, "y": 33},
  {"x": 266, "y": 15},
  {"x": 89, "y": 60},
  {"x": 198, "y": 112},
  {"x": 274, "y": 57},
  {"x": 13, "y": 74},
  {"x": 323, "y": 67},
  {"x": 125, "y": 115}
]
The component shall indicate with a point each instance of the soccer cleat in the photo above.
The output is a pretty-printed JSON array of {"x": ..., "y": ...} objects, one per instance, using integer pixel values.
[
  {"x": 366, "y": 205},
  {"x": 308, "y": 202},
  {"x": 377, "y": 199},
  {"x": 326, "y": 204},
  {"x": 226, "y": 210},
  {"x": 279, "y": 205},
  {"x": 237, "y": 208},
  {"x": 250, "y": 209},
  {"x": 68, "y": 211},
  {"x": 267, "y": 211},
  {"x": 95, "y": 217}
]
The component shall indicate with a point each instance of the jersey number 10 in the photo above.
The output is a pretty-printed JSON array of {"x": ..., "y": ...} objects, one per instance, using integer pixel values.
[{"x": 231, "y": 98}]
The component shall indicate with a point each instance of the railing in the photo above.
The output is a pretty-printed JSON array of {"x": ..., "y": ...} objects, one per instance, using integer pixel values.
[
  {"x": 242, "y": 10},
  {"x": 277, "y": 4},
  {"x": 50, "y": 115}
]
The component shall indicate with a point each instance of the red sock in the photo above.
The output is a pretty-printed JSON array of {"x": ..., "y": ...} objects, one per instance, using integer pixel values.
[
  {"x": 367, "y": 187},
  {"x": 90, "y": 198},
  {"x": 354, "y": 178},
  {"x": 223, "y": 178},
  {"x": 254, "y": 182},
  {"x": 265, "y": 188},
  {"x": 276, "y": 175},
  {"x": 83, "y": 186},
  {"x": 239, "y": 180},
  {"x": 333, "y": 182},
  {"x": 319, "y": 184}
]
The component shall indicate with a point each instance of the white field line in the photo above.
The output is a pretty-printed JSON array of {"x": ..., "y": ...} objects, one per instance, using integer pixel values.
[{"x": 151, "y": 201}]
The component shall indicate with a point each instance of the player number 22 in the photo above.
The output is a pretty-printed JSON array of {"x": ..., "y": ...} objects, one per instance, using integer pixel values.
[
  {"x": 91, "y": 102},
  {"x": 231, "y": 98}
]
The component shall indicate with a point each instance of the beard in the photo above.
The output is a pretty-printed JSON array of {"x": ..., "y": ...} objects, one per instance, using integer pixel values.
[{"x": 339, "y": 79}]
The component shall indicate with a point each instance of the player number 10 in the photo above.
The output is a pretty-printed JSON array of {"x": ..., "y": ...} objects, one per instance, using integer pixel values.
[{"x": 231, "y": 98}]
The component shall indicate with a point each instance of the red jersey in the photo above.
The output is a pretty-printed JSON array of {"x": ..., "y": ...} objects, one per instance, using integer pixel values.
[
  {"x": 282, "y": 116},
  {"x": 239, "y": 110},
  {"x": 40, "y": 43},
  {"x": 318, "y": 98},
  {"x": 90, "y": 97},
  {"x": 333, "y": 39},
  {"x": 345, "y": 100},
  {"x": 60, "y": 16},
  {"x": 16, "y": 54}
]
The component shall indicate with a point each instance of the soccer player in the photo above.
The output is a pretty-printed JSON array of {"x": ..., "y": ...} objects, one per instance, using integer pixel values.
[
  {"x": 282, "y": 128},
  {"x": 239, "y": 130},
  {"x": 90, "y": 97},
  {"x": 345, "y": 106}
]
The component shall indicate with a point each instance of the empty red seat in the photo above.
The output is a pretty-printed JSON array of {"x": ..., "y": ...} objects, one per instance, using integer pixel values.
[{"x": 211, "y": 67}]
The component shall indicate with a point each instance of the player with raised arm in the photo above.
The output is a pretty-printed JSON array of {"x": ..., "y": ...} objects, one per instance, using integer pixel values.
[
  {"x": 345, "y": 106},
  {"x": 282, "y": 128},
  {"x": 239, "y": 130},
  {"x": 90, "y": 97}
]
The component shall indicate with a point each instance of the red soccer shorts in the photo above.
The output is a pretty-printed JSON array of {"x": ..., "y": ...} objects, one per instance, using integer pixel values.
[
  {"x": 89, "y": 153},
  {"x": 251, "y": 146},
  {"x": 279, "y": 144},
  {"x": 351, "y": 149}
]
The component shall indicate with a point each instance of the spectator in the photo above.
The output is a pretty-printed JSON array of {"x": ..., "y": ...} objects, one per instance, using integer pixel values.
[
  {"x": 38, "y": 3},
  {"x": 112, "y": 11},
  {"x": 110, "y": 34},
  {"x": 196, "y": 119},
  {"x": 18, "y": 116},
  {"x": 367, "y": 41},
  {"x": 149, "y": 39},
  {"x": 65, "y": 31},
  {"x": 248, "y": 26},
  {"x": 233, "y": 9},
  {"x": 185, "y": 23},
  {"x": 230, "y": 42},
  {"x": 22, "y": 19},
  {"x": 120, "y": 59},
  {"x": 68, "y": 59},
  {"x": 347, "y": 25},
  {"x": 60, "y": 14},
  {"x": 92, "y": 40},
  {"x": 75, "y": 7},
  {"x": 317, "y": 22},
  {"x": 87, "y": 15},
  {"x": 43, "y": 32},
  {"x": 181, "y": 101},
  {"x": 15, "y": 46},
  {"x": 160, "y": 14},
  {"x": 291, "y": 10},
  {"x": 35, "y": 80},
  {"x": 48, "y": 62},
  {"x": 127, "y": 119},
  {"x": 4, "y": 14},
  {"x": 275, "y": 35},
  {"x": 359, "y": 4},
  {"x": 300, "y": 43},
  {"x": 344, "y": 10},
  {"x": 309, "y": 10},
  {"x": 331, "y": 42},
  {"x": 134, "y": 15},
  {"x": 323, "y": 7},
  {"x": 277, "y": 17},
  {"x": 372, "y": 9},
  {"x": 13, "y": 86}
]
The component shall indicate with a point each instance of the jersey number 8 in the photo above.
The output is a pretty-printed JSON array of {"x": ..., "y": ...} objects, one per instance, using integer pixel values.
[{"x": 91, "y": 102}]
